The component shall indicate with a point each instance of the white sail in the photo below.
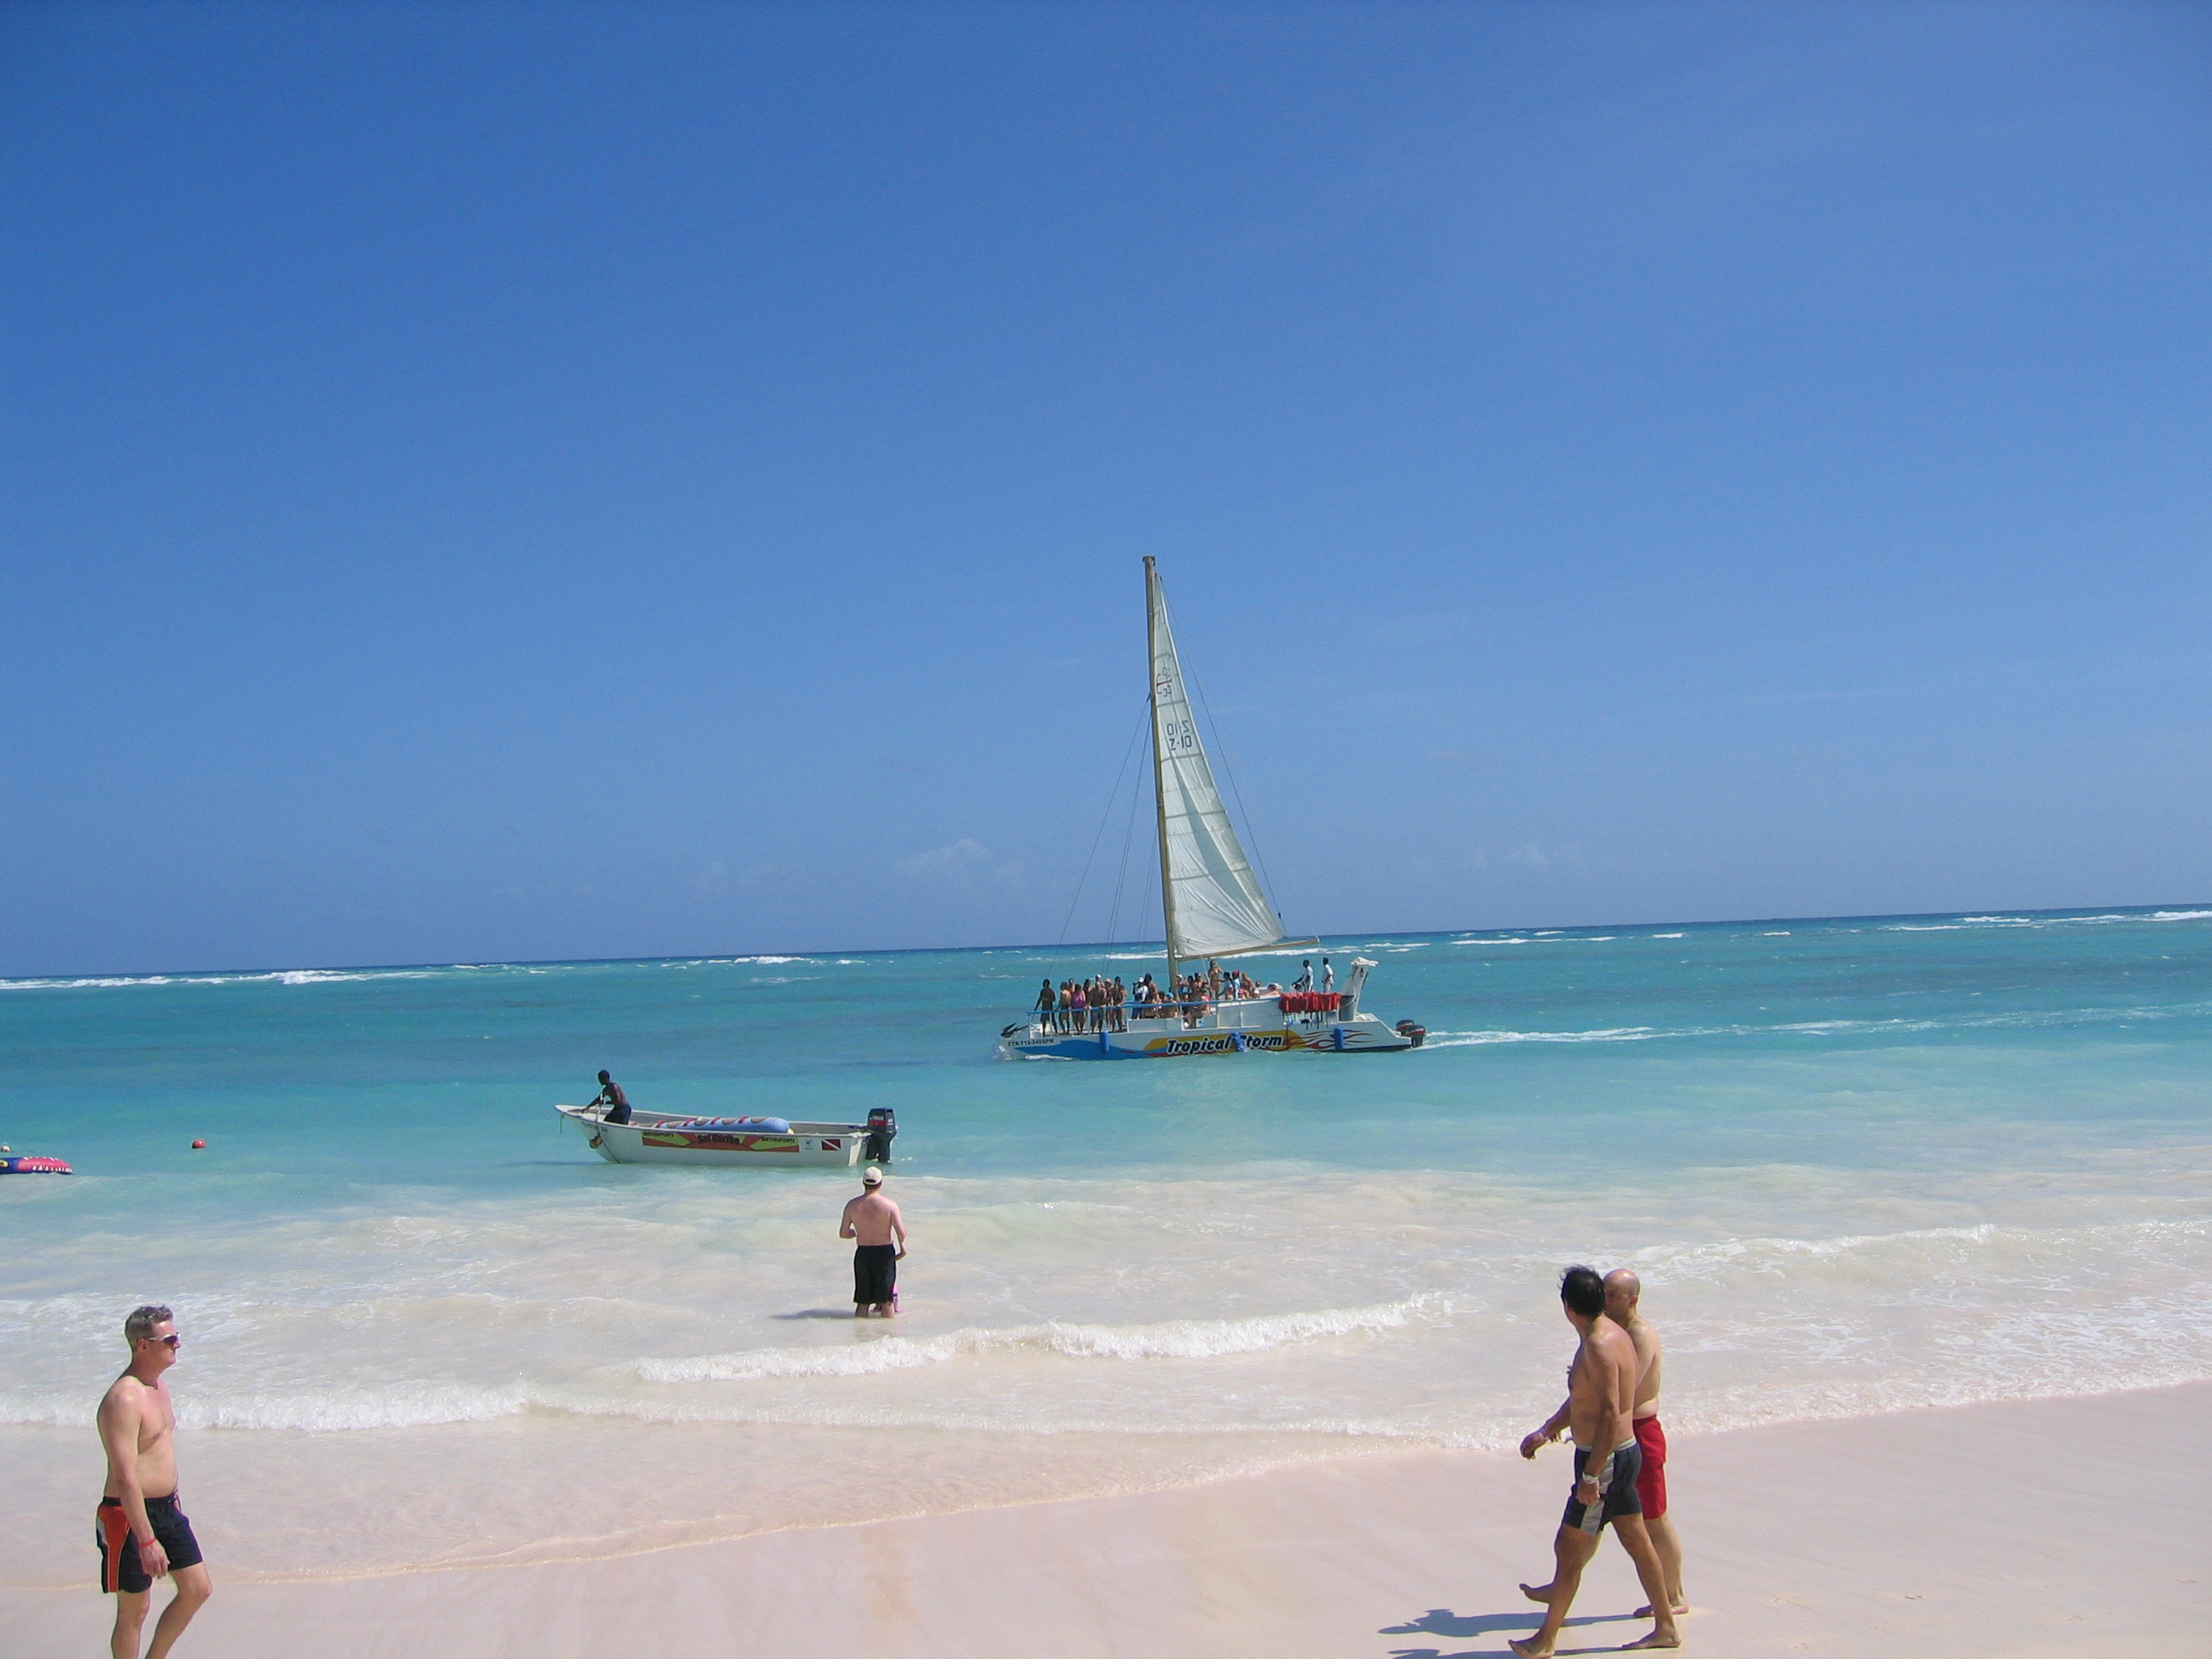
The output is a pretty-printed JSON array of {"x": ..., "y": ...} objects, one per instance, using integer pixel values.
[{"x": 1213, "y": 902}]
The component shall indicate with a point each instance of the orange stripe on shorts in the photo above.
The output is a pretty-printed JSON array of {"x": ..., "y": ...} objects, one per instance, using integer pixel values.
[{"x": 115, "y": 1529}]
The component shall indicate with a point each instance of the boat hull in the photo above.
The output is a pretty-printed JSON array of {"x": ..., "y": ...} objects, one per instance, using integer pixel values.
[
  {"x": 1172, "y": 1040},
  {"x": 660, "y": 1138}
]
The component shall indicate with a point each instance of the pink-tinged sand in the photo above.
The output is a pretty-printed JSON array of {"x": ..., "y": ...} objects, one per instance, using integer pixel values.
[{"x": 2073, "y": 1527}]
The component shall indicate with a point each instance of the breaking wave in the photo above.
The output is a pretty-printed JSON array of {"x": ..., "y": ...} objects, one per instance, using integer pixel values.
[
  {"x": 1177, "y": 1339},
  {"x": 2102, "y": 918},
  {"x": 2024, "y": 1019},
  {"x": 1615, "y": 1034},
  {"x": 279, "y": 976}
]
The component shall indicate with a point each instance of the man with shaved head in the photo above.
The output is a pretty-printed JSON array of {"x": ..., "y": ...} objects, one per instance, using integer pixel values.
[{"x": 1623, "y": 1293}]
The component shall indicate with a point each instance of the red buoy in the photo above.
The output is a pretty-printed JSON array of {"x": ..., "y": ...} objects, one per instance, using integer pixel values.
[{"x": 199, "y": 1145}]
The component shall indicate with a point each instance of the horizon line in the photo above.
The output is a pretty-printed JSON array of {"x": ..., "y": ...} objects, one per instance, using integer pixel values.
[{"x": 1090, "y": 945}]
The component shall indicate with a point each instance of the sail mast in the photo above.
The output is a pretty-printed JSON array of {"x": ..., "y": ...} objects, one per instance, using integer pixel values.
[{"x": 1159, "y": 790}]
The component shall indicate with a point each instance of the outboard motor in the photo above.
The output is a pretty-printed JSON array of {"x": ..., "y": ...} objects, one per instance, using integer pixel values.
[
  {"x": 882, "y": 1129},
  {"x": 1417, "y": 1035}
]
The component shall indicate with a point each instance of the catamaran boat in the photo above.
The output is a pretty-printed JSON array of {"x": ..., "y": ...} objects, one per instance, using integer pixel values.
[
  {"x": 677, "y": 1138},
  {"x": 1215, "y": 908}
]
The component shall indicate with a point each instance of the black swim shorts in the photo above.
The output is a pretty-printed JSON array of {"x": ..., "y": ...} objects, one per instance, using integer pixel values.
[
  {"x": 119, "y": 1569},
  {"x": 875, "y": 1274},
  {"x": 1619, "y": 1497}
]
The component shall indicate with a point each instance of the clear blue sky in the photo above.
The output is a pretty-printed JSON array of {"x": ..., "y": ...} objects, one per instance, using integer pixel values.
[{"x": 533, "y": 482}]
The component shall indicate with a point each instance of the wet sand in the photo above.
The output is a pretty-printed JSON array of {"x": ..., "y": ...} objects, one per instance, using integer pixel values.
[{"x": 2073, "y": 1527}]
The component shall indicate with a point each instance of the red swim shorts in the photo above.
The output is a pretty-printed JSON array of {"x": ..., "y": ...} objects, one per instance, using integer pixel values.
[{"x": 1651, "y": 1478}]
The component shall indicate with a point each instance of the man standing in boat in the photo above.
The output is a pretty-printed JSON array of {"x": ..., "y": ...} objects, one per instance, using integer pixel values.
[
  {"x": 873, "y": 1222},
  {"x": 612, "y": 1097}
]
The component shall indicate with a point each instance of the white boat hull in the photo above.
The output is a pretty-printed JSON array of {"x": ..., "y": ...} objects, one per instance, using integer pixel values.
[
  {"x": 1234, "y": 1028},
  {"x": 661, "y": 1138}
]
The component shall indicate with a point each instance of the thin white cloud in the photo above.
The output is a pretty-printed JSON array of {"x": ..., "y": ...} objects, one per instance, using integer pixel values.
[{"x": 958, "y": 856}]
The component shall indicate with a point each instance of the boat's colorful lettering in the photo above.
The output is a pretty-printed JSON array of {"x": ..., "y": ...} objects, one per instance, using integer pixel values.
[
  {"x": 721, "y": 1143},
  {"x": 1227, "y": 1043}
]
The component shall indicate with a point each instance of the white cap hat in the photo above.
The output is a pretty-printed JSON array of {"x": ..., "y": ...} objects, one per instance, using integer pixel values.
[{"x": 871, "y": 1178}]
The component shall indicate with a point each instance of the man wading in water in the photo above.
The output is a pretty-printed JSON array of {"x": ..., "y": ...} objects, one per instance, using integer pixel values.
[
  {"x": 142, "y": 1533},
  {"x": 874, "y": 1222},
  {"x": 1599, "y": 1408}
]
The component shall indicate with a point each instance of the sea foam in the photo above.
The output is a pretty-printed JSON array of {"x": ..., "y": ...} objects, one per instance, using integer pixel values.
[{"x": 1181, "y": 1339}]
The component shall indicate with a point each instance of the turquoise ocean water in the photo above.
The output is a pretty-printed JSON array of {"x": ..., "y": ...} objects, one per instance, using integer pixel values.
[{"x": 1863, "y": 1165}]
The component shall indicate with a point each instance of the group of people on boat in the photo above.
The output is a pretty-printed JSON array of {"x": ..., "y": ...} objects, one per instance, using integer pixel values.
[
  {"x": 1097, "y": 1004},
  {"x": 1082, "y": 1007}
]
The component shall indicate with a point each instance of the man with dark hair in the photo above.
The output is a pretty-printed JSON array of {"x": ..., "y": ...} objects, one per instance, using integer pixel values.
[
  {"x": 1599, "y": 1408},
  {"x": 612, "y": 1097},
  {"x": 142, "y": 1533}
]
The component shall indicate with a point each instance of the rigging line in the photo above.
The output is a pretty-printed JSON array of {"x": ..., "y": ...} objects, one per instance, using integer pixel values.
[
  {"x": 1104, "y": 819},
  {"x": 1229, "y": 767},
  {"x": 1128, "y": 838}
]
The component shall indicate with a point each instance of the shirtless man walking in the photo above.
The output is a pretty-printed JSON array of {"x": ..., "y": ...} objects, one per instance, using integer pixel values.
[
  {"x": 142, "y": 1534},
  {"x": 873, "y": 1221},
  {"x": 1623, "y": 1292},
  {"x": 1600, "y": 1398}
]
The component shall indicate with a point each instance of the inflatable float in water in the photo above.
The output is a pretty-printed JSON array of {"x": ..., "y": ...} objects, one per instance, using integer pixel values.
[{"x": 16, "y": 1164}]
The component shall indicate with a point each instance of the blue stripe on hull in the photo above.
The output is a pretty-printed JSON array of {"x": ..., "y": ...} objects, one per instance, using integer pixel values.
[{"x": 1074, "y": 1049}]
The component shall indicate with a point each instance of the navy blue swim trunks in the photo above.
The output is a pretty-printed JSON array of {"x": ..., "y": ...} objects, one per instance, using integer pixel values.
[{"x": 119, "y": 1568}]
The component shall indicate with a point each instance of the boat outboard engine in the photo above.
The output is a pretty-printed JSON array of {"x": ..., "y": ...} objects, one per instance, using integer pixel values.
[
  {"x": 1416, "y": 1034},
  {"x": 882, "y": 1129}
]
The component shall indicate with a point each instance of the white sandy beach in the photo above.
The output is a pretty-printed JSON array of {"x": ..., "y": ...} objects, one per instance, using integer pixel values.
[{"x": 2075, "y": 1526}]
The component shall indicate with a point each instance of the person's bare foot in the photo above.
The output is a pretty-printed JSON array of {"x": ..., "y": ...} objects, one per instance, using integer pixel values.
[
  {"x": 1658, "y": 1638},
  {"x": 1542, "y": 1594},
  {"x": 1645, "y": 1612},
  {"x": 1527, "y": 1648}
]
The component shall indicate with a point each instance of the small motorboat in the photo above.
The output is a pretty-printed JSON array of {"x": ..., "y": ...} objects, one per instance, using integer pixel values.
[{"x": 681, "y": 1138}]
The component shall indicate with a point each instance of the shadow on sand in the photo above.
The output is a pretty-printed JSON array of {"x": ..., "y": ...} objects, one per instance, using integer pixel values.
[{"x": 1442, "y": 1622}]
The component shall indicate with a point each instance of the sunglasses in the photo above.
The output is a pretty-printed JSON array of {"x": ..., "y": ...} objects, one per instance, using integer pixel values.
[{"x": 169, "y": 1341}]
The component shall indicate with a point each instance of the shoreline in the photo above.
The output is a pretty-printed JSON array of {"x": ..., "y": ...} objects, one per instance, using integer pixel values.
[
  {"x": 1070, "y": 1482},
  {"x": 1996, "y": 1527}
]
